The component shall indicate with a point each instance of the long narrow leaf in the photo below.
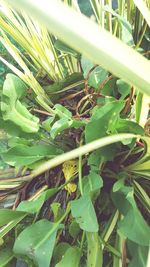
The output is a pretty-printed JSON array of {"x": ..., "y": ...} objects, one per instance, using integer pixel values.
[
  {"x": 141, "y": 5},
  {"x": 87, "y": 37}
]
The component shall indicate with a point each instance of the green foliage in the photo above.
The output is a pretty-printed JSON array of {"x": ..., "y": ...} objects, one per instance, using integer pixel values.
[
  {"x": 11, "y": 107},
  {"x": 6, "y": 256},
  {"x": 83, "y": 210},
  {"x": 94, "y": 254},
  {"x": 139, "y": 255},
  {"x": 9, "y": 215},
  {"x": 132, "y": 225},
  {"x": 22, "y": 155},
  {"x": 79, "y": 115},
  {"x": 103, "y": 120},
  {"x": 37, "y": 242},
  {"x": 70, "y": 258}
]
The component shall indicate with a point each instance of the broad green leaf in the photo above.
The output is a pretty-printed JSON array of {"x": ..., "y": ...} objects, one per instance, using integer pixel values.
[
  {"x": 22, "y": 155},
  {"x": 103, "y": 120},
  {"x": 7, "y": 216},
  {"x": 92, "y": 183},
  {"x": 14, "y": 130},
  {"x": 139, "y": 254},
  {"x": 86, "y": 65},
  {"x": 94, "y": 256},
  {"x": 12, "y": 109},
  {"x": 83, "y": 211},
  {"x": 97, "y": 76},
  {"x": 70, "y": 258},
  {"x": 132, "y": 226},
  {"x": 37, "y": 242},
  {"x": 14, "y": 141},
  {"x": 6, "y": 255},
  {"x": 123, "y": 88},
  {"x": 35, "y": 205},
  {"x": 124, "y": 125},
  {"x": 108, "y": 88},
  {"x": 101, "y": 155},
  {"x": 74, "y": 229},
  {"x": 59, "y": 252}
]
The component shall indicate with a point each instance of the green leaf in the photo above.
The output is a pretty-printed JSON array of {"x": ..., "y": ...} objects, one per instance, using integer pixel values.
[
  {"x": 97, "y": 76},
  {"x": 92, "y": 183},
  {"x": 83, "y": 211},
  {"x": 103, "y": 120},
  {"x": 86, "y": 65},
  {"x": 35, "y": 205},
  {"x": 124, "y": 125},
  {"x": 11, "y": 225},
  {"x": 59, "y": 252},
  {"x": 101, "y": 155},
  {"x": 70, "y": 258},
  {"x": 94, "y": 256},
  {"x": 132, "y": 226},
  {"x": 6, "y": 216},
  {"x": 12, "y": 109},
  {"x": 75, "y": 80},
  {"x": 6, "y": 255},
  {"x": 59, "y": 126},
  {"x": 117, "y": 185},
  {"x": 47, "y": 123},
  {"x": 62, "y": 112},
  {"x": 22, "y": 155},
  {"x": 37, "y": 242},
  {"x": 64, "y": 122},
  {"x": 139, "y": 254},
  {"x": 109, "y": 88},
  {"x": 57, "y": 211},
  {"x": 74, "y": 229},
  {"x": 123, "y": 88}
]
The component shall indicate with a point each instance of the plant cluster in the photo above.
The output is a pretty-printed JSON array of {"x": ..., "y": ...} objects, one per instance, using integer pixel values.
[{"x": 74, "y": 136}]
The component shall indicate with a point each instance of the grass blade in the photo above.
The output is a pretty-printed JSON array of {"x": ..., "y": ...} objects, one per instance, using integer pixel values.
[{"x": 95, "y": 43}]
